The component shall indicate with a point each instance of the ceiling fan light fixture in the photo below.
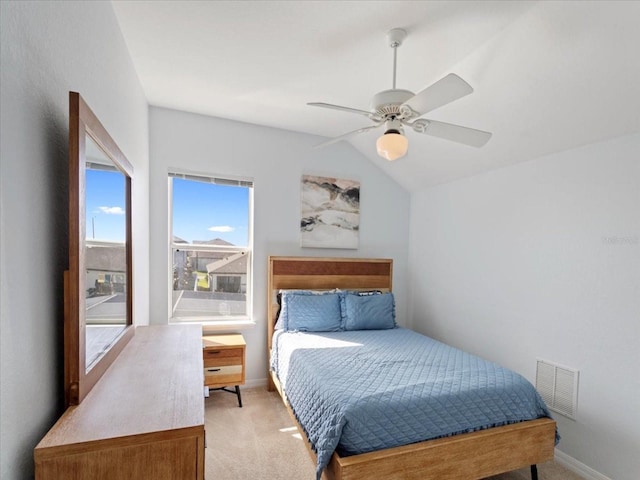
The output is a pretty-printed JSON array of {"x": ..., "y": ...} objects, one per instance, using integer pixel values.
[{"x": 392, "y": 145}]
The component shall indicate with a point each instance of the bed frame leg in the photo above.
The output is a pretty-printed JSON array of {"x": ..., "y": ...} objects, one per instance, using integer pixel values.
[{"x": 534, "y": 472}]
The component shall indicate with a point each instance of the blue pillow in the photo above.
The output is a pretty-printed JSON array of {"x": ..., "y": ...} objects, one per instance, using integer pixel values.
[
  {"x": 282, "y": 305},
  {"x": 368, "y": 312},
  {"x": 311, "y": 311}
]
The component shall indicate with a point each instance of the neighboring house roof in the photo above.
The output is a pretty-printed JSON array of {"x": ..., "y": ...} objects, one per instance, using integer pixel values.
[
  {"x": 177, "y": 239},
  {"x": 235, "y": 264},
  {"x": 215, "y": 255},
  {"x": 215, "y": 241},
  {"x": 220, "y": 262},
  {"x": 108, "y": 258}
]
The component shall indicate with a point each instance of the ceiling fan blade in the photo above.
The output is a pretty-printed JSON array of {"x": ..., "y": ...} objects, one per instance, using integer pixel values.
[
  {"x": 347, "y": 135},
  {"x": 444, "y": 91},
  {"x": 455, "y": 133},
  {"x": 344, "y": 109}
]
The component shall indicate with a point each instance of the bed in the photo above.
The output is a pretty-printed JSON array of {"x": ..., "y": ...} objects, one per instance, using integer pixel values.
[{"x": 473, "y": 455}]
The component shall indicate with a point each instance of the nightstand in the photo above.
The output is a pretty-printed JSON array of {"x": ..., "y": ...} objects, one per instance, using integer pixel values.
[{"x": 224, "y": 357}]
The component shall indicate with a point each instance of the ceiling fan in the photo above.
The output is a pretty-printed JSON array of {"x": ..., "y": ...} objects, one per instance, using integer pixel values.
[{"x": 397, "y": 108}]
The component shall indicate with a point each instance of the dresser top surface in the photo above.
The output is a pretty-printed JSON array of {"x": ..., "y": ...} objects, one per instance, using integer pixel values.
[{"x": 154, "y": 385}]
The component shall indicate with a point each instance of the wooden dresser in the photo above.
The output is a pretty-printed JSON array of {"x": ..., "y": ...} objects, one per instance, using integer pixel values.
[{"x": 144, "y": 419}]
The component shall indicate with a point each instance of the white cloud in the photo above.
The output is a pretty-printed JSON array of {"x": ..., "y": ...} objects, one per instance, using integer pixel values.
[
  {"x": 112, "y": 210},
  {"x": 221, "y": 229}
]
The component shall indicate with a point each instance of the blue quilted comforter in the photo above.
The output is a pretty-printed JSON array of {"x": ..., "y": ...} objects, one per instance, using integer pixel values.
[{"x": 359, "y": 391}]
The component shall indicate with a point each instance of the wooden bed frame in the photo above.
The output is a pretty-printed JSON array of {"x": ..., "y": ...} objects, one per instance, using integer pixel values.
[{"x": 473, "y": 455}]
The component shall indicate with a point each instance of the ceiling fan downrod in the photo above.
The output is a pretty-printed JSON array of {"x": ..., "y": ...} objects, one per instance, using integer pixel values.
[{"x": 395, "y": 37}]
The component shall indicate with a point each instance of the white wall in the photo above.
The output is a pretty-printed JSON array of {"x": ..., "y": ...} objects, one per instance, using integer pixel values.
[
  {"x": 47, "y": 49},
  {"x": 275, "y": 159},
  {"x": 542, "y": 260}
]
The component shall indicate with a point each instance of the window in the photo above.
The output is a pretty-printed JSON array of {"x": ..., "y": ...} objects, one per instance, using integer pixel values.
[{"x": 211, "y": 222}]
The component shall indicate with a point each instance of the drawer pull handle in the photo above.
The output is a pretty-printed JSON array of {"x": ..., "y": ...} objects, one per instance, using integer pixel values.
[
  {"x": 213, "y": 352},
  {"x": 213, "y": 369}
]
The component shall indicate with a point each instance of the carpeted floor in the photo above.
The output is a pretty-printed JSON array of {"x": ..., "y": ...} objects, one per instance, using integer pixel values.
[{"x": 259, "y": 441}]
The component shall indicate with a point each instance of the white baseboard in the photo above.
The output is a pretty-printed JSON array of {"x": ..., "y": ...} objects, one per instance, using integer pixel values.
[{"x": 577, "y": 467}]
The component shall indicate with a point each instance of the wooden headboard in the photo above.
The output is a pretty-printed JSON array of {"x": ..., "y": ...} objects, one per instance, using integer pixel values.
[{"x": 324, "y": 273}]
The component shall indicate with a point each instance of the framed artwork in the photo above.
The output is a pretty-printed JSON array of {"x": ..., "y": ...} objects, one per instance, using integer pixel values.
[{"x": 330, "y": 213}]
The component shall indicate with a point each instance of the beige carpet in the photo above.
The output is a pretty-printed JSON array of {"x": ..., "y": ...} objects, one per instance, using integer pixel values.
[{"x": 259, "y": 441}]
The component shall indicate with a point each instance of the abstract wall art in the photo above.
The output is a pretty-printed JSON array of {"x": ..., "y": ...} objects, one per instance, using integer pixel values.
[{"x": 330, "y": 214}]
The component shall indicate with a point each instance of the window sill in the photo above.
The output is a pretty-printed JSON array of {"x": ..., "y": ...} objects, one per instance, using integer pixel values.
[{"x": 218, "y": 325}]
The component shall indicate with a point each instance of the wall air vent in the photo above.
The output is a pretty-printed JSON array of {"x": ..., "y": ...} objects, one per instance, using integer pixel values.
[{"x": 558, "y": 387}]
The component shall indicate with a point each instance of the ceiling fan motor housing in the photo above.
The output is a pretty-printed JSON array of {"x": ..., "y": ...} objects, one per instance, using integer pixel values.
[{"x": 388, "y": 102}]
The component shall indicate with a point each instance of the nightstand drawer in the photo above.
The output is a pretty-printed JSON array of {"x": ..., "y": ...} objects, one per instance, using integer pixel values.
[
  {"x": 227, "y": 370},
  {"x": 222, "y": 361},
  {"x": 222, "y": 352},
  {"x": 227, "y": 375}
]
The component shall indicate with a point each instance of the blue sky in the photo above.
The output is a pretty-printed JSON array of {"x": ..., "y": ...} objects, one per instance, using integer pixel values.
[
  {"x": 204, "y": 211},
  {"x": 105, "y": 205},
  {"x": 201, "y": 211}
]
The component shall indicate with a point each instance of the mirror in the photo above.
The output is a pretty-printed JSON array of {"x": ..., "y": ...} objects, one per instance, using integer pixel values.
[
  {"x": 104, "y": 253},
  {"x": 98, "y": 288}
]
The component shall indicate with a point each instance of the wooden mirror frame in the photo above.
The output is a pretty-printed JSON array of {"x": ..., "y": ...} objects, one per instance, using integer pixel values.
[{"x": 79, "y": 381}]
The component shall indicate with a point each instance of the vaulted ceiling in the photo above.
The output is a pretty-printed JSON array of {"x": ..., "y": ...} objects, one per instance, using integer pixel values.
[{"x": 548, "y": 76}]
